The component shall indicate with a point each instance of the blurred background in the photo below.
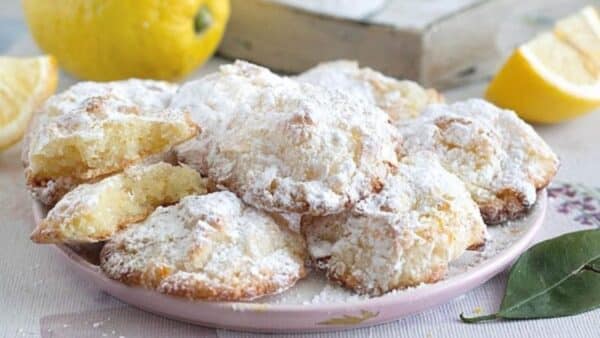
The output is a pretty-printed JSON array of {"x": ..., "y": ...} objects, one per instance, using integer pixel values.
[
  {"x": 440, "y": 43},
  {"x": 454, "y": 46}
]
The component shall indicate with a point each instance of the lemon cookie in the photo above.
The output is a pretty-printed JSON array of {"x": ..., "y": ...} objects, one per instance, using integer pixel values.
[
  {"x": 94, "y": 212},
  {"x": 95, "y": 129},
  {"x": 500, "y": 158},
  {"x": 286, "y": 146},
  {"x": 210, "y": 247},
  {"x": 405, "y": 235},
  {"x": 401, "y": 100}
]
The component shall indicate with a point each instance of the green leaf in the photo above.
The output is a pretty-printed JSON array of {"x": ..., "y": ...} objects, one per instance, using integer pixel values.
[{"x": 557, "y": 277}]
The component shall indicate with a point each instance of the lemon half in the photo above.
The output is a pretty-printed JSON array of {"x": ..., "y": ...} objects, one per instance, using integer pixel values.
[
  {"x": 556, "y": 76},
  {"x": 25, "y": 83}
]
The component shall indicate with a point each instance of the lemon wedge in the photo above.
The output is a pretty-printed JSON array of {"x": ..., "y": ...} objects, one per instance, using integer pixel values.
[
  {"x": 556, "y": 76},
  {"x": 24, "y": 84}
]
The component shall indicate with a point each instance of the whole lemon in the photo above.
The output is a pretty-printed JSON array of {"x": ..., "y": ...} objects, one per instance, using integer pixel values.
[{"x": 114, "y": 39}]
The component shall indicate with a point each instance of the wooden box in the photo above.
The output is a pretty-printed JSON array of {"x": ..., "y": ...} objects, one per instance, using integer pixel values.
[{"x": 440, "y": 43}]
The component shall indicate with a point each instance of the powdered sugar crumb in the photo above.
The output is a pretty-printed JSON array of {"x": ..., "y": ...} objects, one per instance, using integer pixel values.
[{"x": 332, "y": 294}]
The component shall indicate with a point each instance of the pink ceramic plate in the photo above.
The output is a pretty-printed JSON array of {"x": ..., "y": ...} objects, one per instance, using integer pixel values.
[{"x": 314, "y": 304}]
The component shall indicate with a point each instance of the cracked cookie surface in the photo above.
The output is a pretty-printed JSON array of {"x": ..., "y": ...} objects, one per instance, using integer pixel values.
[
  {"x": 400, "y": 99},
  {"x": 405, "y": 235},
  {"x": 285, "y": 146},
  {"x": 95, "y": 129},
  {"x": 501, "y": 159},
  {"x": 94, "y": 212},
  {"x": 211, "y": 247}
]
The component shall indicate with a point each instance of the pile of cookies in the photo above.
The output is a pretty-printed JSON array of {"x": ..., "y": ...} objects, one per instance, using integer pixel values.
[{"x": 233, "y": 186}]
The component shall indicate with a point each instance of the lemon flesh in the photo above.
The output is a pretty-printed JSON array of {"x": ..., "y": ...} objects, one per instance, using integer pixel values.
[
  {"x": 105, "y": 40},
  {"x": 556, "y": 76},
  {"x": 25, "y": 83},
  {"x": 582, "y": 32}
]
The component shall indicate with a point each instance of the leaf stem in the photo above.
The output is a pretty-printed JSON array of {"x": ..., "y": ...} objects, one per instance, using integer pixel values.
[
  {"x": 472, "y": 320},
  {"x": 202, "y": 20}
]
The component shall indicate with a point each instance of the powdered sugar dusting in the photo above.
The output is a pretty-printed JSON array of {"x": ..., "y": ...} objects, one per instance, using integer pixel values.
[
  {"x": 80, "y": 110},
  {"x": 299, "y": 150},
  {"x": 402, "y": 236},
  {"x": 501, "y": 159},
  {"x": 316, "y": 289},
  {"x": 401, "y": 100},
  {"x": 73, "y": 139},
  {"x": 209, "y": 247},
  {"x": 285, "y": 146},
  {"x": 148, "y": 95},
  {"x": 93, "y": 212}
]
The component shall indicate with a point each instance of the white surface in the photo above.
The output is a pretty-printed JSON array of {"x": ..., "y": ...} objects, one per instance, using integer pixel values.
[
  {"x": 39, "y": 297},
  {"x": 414, "y": 14},
  {"x": 417, "y": 14},
  {"x": 350, "y": 9}
]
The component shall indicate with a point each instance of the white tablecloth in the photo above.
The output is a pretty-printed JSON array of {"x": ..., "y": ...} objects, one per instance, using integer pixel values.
[{"x": 41, "y": 296}]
